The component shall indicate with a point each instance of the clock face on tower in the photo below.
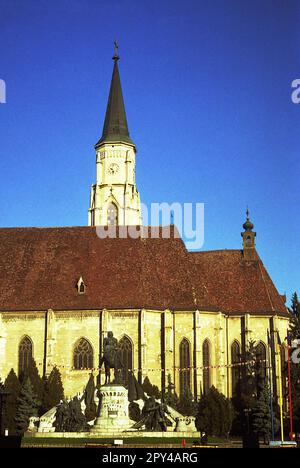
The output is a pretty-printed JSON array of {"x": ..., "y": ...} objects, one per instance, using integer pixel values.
[{"x": 113, "y": 168}]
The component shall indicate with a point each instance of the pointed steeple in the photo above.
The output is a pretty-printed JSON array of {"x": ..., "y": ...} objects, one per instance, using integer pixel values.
[{"x": 115, "y": 128}]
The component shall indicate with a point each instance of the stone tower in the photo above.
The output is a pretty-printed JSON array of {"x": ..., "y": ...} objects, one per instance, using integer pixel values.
[
  {"x": 249, "y": 239},
  {"x": 114, "y": 198}
]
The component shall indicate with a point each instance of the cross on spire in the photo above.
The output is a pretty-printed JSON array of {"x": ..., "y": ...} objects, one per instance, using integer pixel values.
[{"x": 116, "y": 54}]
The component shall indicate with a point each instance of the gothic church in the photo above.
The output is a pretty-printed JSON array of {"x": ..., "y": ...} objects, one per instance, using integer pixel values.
[{"x": 178, "y": 315}]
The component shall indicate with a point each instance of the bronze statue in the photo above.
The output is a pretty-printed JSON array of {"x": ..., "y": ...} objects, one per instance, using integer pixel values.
[
  {"x": 111, "y": 358},
  {"x": 153, "y": 416}
]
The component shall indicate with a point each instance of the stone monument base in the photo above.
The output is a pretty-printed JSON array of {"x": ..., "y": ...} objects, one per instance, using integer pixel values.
[{"x": 114, "y": 415}]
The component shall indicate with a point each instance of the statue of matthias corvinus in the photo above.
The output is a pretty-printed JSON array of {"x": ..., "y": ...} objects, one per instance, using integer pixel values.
[{"x": 112, "y": 359}]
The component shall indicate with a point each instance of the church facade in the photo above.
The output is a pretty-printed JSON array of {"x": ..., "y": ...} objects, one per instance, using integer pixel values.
[{"x": 181, "y": 317}]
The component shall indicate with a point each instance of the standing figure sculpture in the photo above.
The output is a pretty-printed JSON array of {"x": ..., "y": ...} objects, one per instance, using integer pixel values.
[{"x": 111, "y": 358}]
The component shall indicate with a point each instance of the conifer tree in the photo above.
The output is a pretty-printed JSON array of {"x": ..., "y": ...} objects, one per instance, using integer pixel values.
[
  {"x": 27, "y": 406},
  {"x": 295, "y": 367},
  {"x": 53, "y": 390},
  {"x": 13, "y": 387},
  {"x": 215, "y": 414},
  {"x": 36, "y": 380},
  {"x": 91, "y": 408},
  {"x": 295, "y": 317},
  {"x": 171, "y": 398},
  {"x": 186, "y": 404},
  {"x": 261, "y": 415}
]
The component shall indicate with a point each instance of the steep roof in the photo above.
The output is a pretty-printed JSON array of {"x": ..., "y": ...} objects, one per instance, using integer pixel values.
[
  {"x": 115, "y": 128},
  {"x": 224, "y": 279},
  {"x": 40, "y": 268}
]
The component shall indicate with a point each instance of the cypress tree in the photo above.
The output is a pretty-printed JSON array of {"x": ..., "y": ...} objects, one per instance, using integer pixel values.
[
  {"x": 27, "y": 406},
  {"x": 11, "y": 385},
  {"x": 53, "y": 390}
]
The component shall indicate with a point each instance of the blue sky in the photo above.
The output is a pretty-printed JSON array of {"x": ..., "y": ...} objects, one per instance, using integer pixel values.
[{"x": 207, "y": 87}]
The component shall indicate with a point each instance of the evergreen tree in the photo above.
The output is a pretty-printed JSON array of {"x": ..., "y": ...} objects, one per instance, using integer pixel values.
[
  {"x": 171, "y": 398},
  {"x": 151, "y": 390},
  {"x": 295, "y": 368},
  {"x": 91, "y": 408},
  {"x": 12, "y": 386},
  {"x": 261, "y": 415},
  {"x": 187, "y": 405},
  {"x": 215, "y": 414},
  {"x": 53, "y": 390},
  {"x": 27, "y": 406},
  {"x": 295, "y": 317},
  {"x": 36, "y": 380}
]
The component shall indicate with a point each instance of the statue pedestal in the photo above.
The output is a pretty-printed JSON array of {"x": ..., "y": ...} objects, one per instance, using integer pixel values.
[{"x": 114, "y": 416}]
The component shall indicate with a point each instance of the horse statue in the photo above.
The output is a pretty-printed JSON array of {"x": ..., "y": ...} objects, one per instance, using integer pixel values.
[{"x": 111, "y": 359}]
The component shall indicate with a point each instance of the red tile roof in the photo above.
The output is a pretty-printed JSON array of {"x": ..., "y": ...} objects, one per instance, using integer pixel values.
[
  {"x": 235, "y": 286},
  {"x": 39, "y": 270}
]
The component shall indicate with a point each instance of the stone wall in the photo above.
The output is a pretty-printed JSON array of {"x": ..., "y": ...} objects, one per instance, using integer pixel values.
[{"x": 155, "y": 337}]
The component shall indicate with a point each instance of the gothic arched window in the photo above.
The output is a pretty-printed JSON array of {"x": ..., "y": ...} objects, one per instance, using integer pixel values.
[
  {"x": 83, "y": 355},
  {"x": 25, "y": 354},
  {"x": 235, "y": 370},
  {"x": 185, "y": 365},
  {"x": 206, "y": 366},
  {"x": 125, "y": 347},
  {"x": 112, "y": 215},
  {"x": 261, "y": 356}
]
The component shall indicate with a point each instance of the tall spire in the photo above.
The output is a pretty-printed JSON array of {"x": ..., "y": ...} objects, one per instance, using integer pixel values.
[{"x": 115, "y": 128}]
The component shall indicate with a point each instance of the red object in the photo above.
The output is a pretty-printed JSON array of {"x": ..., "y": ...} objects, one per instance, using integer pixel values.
[
  {"x": 290, "y": 392},
  {"x": 183, "y": 443}
]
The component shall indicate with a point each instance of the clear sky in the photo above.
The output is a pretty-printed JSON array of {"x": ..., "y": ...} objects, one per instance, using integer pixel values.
[{"x": 207, "y": 88}]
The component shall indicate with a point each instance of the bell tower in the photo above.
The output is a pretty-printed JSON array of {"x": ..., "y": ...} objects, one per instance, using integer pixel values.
[
  {"x": 114, "y": 197},
  {"x": 248, "y": 239}
]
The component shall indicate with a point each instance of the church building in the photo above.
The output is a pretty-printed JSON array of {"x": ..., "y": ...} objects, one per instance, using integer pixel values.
[{"x": 179, "y": 316}]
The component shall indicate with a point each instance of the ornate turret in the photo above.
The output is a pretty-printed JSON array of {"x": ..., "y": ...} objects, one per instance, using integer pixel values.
[{"x": 248, "y": 239}]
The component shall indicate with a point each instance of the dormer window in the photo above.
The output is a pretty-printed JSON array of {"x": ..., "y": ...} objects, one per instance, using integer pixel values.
[{"x": 81, "y": 286}]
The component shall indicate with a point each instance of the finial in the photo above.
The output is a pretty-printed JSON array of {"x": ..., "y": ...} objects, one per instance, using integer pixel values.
[
  {"x": 116, "y": 54},
  {"x": 248, "y": 226}
]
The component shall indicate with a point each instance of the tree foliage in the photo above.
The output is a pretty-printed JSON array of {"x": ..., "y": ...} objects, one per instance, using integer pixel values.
[
  {"x": 53, "y": 391},
  {"x": 13, "y": 387},
  {"x": 295, "y": 368},
  {"x": 36, "y": 380},
  {"x": 91, "y": 408},
  {"x": 261, "y": 415},
  {"x": 27, "y": 406},
  {"x": 215, "y": 414},
  {"x": 171, "y": 398},
  {"x": 295, "y": 317},
  {"x": 186, "y": 404}
]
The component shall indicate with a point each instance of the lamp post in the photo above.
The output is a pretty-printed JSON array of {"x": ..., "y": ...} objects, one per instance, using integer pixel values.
[{"x": 3, "y": 395}]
